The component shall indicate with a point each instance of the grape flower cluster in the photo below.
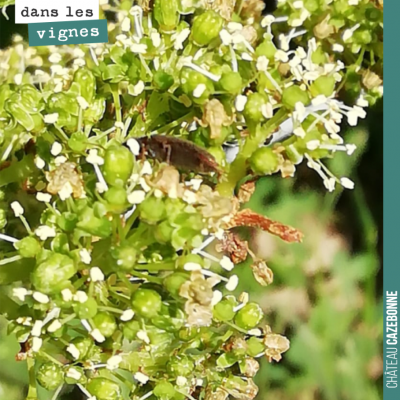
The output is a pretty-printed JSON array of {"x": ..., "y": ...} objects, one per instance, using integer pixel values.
[{"x": 118, "y": 254}]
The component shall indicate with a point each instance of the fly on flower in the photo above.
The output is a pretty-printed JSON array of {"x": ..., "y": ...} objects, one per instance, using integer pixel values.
[{"x": 180, "y": 153}]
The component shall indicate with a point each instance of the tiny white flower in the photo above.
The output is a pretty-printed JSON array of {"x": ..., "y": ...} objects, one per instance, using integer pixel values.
[
  {"x": 141, "y": 377},
  {"x": 262, "y": 63},
  {"x": 347, "y": 183},
  {"x": 73, "y": 350},
  {"x": 44, "y": 232},
  {"x": 66, "y": 295},
  {"x": 134, "y": 146},
  {"x": 298, "y": 4},
  {"x": 119, "y": 124},
  {"x": 226, "y": 263},
  {"x": 54, "y": 326},
  {"x": 94, "y": 158},
  {"x": 267, "y": 20},
  {"x": 338, "y": 48},
  {"x": 329, "y": 183},
  {"x": 97, "y": 336},
  {"x": 60, "y": 160},
  {"x": 85, "y": 256},
  {"x": 39, "y": 162},
  {"x": 96, "y": 275},
  {"x": 192, "y": 266},
  {"x": 234, "y": 26},
  {"x": 142, "y": 335},
  {"x": 313, "y": 144},
  {"x": 136, "y": 197},
  {"x": 81, "y": 297},
  {"x": 180, "y": 38},
  {"x": 101, "y": 187},
  {"x": 232, "y": 283},
  {"x": 281, "y": 55},
  {"x": 43, "y": 197},
  {"x": 138, "y": 88},
  {"x": 155, "y": 38},
  {"x": 18, "y": 79},
  {"x": 226, "y": 37},
  {"x": 267, "y": 110},
  {"x": 37, "y": 328},
  {"x": 41, "y": 297},
  {"x": 138, "y": 48},
  {"x": 17, "y": 208},
  {"x": 55, "y": 58},
  {"x": 240, "y": 102},
  {"x": 300, "y": 132},
  {"x": 199, "y": 90},
  {"x": 217, "y": 297},
  {"x": 36, "y": 344},
  {"x": 189, "y": 197},
  {"x": 246, "y": 57},
  {"x": 144, "y": 185},
  {"x": 146, "y": 169},
  {"x": 20, "y": 293},
  {"x": 350, "y": 148},
  {"x": 181, "y": 381},
  {"x": 51, "y": 118},
  {"x": 82, "y": 102},
  {"x": 127, "y": 315},
  {"x": 113, "y": 362},
  {"x": 362, "y": 102},
  {"x": 126, "y": 25},
  {"x": 255, "y": 332},
  {"x": 73, "y": 374},
  {"x": 56, "y": 149}
]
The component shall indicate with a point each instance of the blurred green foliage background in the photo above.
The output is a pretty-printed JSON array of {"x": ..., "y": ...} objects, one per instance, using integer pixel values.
[{"x": 326, "y": 296}]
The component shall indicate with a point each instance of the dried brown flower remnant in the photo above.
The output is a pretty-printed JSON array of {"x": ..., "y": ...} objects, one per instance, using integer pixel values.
[
  {"x": 323, "y": 30},
  {"x": 223, "y": 7},
  {"x": 213, "y": 205},
  {"x": 235, "y": 248},
  {"x": 250, "y": 218},
  {"x": 218, "y": 394},
  {"x": 167, "y": 181},
  {"x": 276, "y": 345},
  {"x": 371, "y": 80},
  {"x": 250, "y": 367},
  {"x": 263, "y": 275},
  {"x": 252, "y": 8},
  {"x": 215, "y": 117},
  {"x": 199, "y": 294},
  {"x": 65, "y": 178},
  {"x": 246, "y": 191}
]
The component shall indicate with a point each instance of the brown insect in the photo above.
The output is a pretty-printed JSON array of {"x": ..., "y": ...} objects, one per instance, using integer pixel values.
[{"x": 180, "y": 153}]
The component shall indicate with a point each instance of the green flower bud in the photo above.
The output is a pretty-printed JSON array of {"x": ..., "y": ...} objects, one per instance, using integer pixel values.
[
  {"x": 224, "y": 310},
  {"x": 181, "y": 366},
  {"x": 206, "y": 27},
  {"x": 253, "y": 108},
  {"x": 174, "y": 282},
  {"x": 264, "y": 161},
  {"x": 28, "y": 247},
  {"x": 95, "y": 111},
  {"x": 324, "y": 85},
  {"x": 67, "y": 221},
  {"x": 3, "y": 218},
  {"x": 266, "y": 48},
  {"x": 130, "y": 329},
  {"x": 105, "y": 323},
  {"x": 72, "y": 378},
  {"x": 19, "y": 114},
  {"x": 152, "y": 210},
  {"x": 63, "y": 102},
  {"x": 118, "y": 165},
  {"x": 104, "y": 389},
  {"x": 31, "y": 99},
  {"x": 294, "y": 94},
  {"x": 254, "y": 346},
  {"x": 166, "y": 14},
  {"x": 249, "y": 316},
  {"x": 191, "y": 81},
  {"x": 163, "y": 232},
  {"x": 86, "y": 310},
  {"x": 53, "y": 274},
  {"x": 164, "y": 390},
  {"x": 146, "y": 302},
  {"x": 162, "y": 80},
  {"x": 84, "y": 346},
  {"x": 78, "y": 142},
  {"x": 95, "y": 226},
  {"x": 231, "y": 82},
  {"x": 189, "y": 258},
  {"x": 50, "y": 376},
  {"x": 117, "y": 199},
  {"x": 362, "y": 36},
  {"x": 125, "y": 256},
  {"x": 87, "y": 83}
]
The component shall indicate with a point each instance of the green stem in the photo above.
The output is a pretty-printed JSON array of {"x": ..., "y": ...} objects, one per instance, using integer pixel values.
[
  {"x": 32, "y": 391},
  {"x": 155, "y": 267},
  {"x": 118, "y": 110},
  {"x": 238, "y": 167},
  {"x": 57, "y": 392}
]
